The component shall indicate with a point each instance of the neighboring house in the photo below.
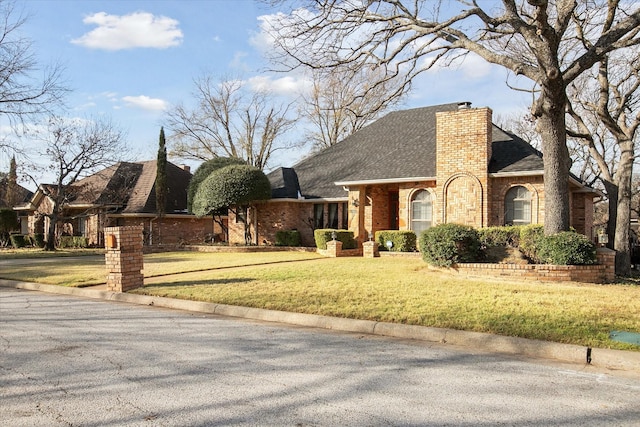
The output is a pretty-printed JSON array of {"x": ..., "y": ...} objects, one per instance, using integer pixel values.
[
  {"x": 410, "y": 170},
  {"x": 123, "y": 195},
  {"x": 21, "y": 196}
]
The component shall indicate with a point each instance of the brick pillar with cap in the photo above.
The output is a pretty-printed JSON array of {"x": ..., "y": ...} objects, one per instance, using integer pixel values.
[{"x": 123, "y": 258}]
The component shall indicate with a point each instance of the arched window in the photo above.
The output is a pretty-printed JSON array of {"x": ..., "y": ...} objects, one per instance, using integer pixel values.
[
  {"x": 421, "y": 211},
  {"x": 517, "y": 206}
]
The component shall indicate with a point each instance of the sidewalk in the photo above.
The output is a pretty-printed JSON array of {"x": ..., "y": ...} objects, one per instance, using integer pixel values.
[{"x": 600, "y": 358}]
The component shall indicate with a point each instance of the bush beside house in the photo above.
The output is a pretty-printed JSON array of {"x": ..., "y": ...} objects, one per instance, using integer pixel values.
[
  {"x": 324, "y": 235},
  {"x": 401, "y": 240},
  {"x": 448, "y": 244}
]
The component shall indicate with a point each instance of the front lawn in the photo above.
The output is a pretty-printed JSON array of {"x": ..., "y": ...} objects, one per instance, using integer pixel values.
[{"x": 382, "y": 289}]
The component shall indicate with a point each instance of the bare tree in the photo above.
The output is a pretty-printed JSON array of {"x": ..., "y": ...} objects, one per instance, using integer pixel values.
[
  {"x": 74, "y": 148},
  {"x": 26, "y": 89},
  {"x": 342, "y": 101},
  {"x": 229, "y": 122},
  {"x": 548, "y": 42},
  {"x": 604, "y": 108}
]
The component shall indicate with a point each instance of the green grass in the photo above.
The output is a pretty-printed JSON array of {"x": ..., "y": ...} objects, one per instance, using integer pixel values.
[{"x": 382, "y": 289}]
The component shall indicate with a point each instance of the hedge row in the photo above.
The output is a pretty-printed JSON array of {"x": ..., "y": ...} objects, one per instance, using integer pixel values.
[
  {"x": 288, "y": 238},
  {"x": 401, "y": 240},
  {"x": 324, "y": 235},
  {"x": 24, "y": 240},
  {"x": 448, "y": 244}
]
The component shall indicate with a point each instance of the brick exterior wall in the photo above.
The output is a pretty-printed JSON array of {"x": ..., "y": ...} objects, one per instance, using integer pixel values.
[
  {"x": 463, "y": 150},
  {"x": 463, "y": 191},
  {"x": 500, "y": 187},
  {"x": 169, "y": 230},
  {"x": 123, "y": 258}
]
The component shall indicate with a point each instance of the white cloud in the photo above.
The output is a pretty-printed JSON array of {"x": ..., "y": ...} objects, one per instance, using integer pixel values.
[
  {"x": 145, "y": 103},
  {"x": 285, "y": 86},
  {"x": 139, "y": 29}
]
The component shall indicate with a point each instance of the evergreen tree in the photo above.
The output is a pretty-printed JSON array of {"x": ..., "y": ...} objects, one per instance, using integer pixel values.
[
  {"x": 11, "y": 194},
  {"x": 161, "y": 176}
]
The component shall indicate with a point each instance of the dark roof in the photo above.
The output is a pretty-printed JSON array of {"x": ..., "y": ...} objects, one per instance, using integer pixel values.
[
  {"x": 400, "y": 145},
  {"x": 130, "y": 188},
  {"x": 22, "y": 195},
  {"x": 143, "y": 196},
  {"x": 284, "y": 183},
  {"x": 509, "y": 153}
]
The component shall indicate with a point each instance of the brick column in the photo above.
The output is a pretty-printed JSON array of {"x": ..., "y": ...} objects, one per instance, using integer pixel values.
[
  {"x": 370, "y": 249},
  {"x": 123, "y": 258},
  {"x": 334, "y": 247},
  {"x": 607, "y": 257}
]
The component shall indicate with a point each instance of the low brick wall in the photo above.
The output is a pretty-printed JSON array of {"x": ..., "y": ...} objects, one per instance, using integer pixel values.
[{"x": 540, "y": 272}]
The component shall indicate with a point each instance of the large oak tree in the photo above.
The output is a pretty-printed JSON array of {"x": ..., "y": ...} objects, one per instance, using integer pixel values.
[{"x": 549, "y": 42}]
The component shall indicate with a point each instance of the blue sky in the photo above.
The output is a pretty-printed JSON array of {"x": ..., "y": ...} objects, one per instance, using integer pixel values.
[{"x": 132, "y": 60}]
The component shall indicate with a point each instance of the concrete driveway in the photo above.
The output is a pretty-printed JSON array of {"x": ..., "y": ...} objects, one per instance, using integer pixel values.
[{"x": 77, "y": 362}]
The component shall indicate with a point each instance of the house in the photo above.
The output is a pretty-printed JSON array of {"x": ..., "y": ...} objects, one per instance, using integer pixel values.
[
  {"x": 410, "y": 170},
  {"x": 122, "y": 195}
]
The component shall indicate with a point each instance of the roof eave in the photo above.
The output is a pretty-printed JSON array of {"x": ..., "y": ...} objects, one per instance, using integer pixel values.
[{"x": 385, "y": 181}]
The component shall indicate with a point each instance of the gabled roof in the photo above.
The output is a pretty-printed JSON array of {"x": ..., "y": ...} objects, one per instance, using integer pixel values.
[
  {"x": 129, "y": 188},
  {"x": 143, "y": 196},
  {"x": 22, "y": 194},
  {"x": 399, "y": 146}
]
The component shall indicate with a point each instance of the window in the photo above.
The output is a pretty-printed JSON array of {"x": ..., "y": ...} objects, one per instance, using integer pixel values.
[
  {"x": 333, "y": 215},
  {"x": 345, "y": 216},
  {"x": 82, "y": 227},
  {"x": 421, "y": 211},
  {"x": 318, "y": 216},
  {"x": 517, "y": 206}
]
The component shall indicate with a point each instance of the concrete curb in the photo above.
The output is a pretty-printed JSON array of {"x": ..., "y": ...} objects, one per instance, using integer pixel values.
[{"x": 602, "y": 358}]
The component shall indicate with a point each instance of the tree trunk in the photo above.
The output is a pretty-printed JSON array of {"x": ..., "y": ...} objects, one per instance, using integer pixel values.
[
  {"x": 612, "y": 194},
  {"x": 50, "y": 243},
  {"x": 552, "y": 128},
  {"x": 623, "y": 179}
]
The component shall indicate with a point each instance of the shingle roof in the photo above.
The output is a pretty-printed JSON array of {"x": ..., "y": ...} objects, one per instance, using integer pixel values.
[
  {"x": 143, "y": 196},
  {"x": 400, "y": 145},
  {"x": 131, "y": 188},
  {"x": 22, "y": 194}
]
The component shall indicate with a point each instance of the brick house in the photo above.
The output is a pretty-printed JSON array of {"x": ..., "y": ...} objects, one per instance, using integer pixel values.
[
  {"x": 122, "y": 195},
  {"x": 410, "y": 170}
]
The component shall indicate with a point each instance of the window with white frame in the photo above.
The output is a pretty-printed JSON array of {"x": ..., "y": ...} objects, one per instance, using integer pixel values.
[
  {"x": 517, "y": 206},
  {"x": 421, "y": 211}
]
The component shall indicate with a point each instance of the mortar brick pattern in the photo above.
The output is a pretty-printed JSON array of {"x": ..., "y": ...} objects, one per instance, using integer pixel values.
[{"x": 124, "y": 262}]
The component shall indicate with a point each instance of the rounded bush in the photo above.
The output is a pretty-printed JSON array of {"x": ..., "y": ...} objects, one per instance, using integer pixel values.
[
  {"x": 403, "y": 240},
  {"x": 508, "y": 235},
  {"x": 448, "y": 244},
  {"x": 530, "y": 238},
  {"x": 288, "y": 238},
  {"x": 234, "y": 185},
  {"x": 567, "y": 248}
]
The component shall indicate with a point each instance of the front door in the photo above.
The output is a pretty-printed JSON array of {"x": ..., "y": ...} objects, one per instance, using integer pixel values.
[{"x": 394, "y": 207}]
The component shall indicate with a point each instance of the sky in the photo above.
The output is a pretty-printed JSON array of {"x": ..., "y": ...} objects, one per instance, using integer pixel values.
[{"x": 133, "y": 60}]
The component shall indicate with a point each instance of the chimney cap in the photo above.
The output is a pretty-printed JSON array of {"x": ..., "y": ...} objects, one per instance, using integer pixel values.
[{"x": 464, "y": 105}]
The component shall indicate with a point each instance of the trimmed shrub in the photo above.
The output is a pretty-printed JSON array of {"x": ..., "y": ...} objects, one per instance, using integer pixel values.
[
  {"x": 18, "y": 241},
  {"x": 323, "y": 235},
  {"x": 37, "y": 240},
  {"x": 508, "y": 235},
  {"x": 74, "y": 242},
  {"x": 448, "y": 244},
  {"x": 566, "y": 248},
  {"x": 288, "y": 238},
  {"x": 8, "y": 223},
  {"x": 530, "y": 237},
  {"x": 403, "y": 240}
]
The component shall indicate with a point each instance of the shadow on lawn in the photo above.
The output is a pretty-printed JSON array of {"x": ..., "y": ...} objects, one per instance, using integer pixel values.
[
  {"x": 202, "y": 282},
  {"x": 227, "y": 267}
]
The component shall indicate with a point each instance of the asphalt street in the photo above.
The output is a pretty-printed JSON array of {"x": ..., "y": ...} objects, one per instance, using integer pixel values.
[{"x": 72, "y": 361}]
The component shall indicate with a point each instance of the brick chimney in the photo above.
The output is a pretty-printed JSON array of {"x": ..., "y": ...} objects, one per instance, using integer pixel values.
[
  {"x": 463, "y": 152},
  {"x": 187, "y": 168}
]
